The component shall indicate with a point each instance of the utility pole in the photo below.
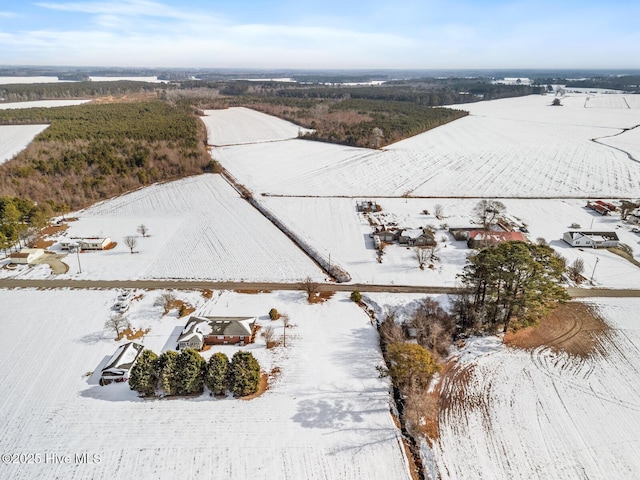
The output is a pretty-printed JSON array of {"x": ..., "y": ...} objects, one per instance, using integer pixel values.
[{"x": 594, "y": 270}]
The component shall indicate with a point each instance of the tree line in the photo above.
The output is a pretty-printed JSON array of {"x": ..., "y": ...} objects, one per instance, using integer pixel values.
[
  {"x": 187, "y": 373},
  {"x": 96, "y": 151},
  {"x": 21, "y": 219}
]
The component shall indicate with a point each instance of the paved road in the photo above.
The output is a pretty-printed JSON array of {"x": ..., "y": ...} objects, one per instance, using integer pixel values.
[{"x": 266, "y": 286}]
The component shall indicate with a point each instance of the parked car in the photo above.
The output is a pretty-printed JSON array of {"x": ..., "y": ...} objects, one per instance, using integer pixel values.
[
  {"x": 121, "y": 307},
  {"x": 635, "y": 230},
  {"x": 125, "y": 295}
]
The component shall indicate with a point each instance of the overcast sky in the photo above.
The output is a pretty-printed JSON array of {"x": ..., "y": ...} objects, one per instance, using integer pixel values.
[{"x": 423, "y": 34}]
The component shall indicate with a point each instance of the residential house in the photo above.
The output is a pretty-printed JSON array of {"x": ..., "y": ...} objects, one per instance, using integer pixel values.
[
  {"x": 418, "y": 237},
  {"x": 86, "y": 243},
  {"x": 591, "y": 239},
  {"x": 26, "y": 255},
  {"x": 200, "y": 331},
  {"x": 484, "y": 238},
  {"x": 120, "y": 363}
]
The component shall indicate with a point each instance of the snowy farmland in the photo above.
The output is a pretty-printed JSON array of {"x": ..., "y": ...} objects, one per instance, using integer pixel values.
[
  {"x": 545, "y": 415},
  {"x": 325, "y": 415},
  {"x": 199, "y": 228},
  {"x": 15, "y": 138},
  {"x": 519, "y": 147},
  {"x": 222, "y": 127}
]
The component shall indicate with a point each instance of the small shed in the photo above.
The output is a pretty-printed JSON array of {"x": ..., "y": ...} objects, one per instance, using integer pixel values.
[
  {"x": 120, "y": 363},
  {"x": 26, "y": 255}
]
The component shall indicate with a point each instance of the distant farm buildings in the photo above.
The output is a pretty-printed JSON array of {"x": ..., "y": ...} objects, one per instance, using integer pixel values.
[
  {"x": 603, "y": 208},
  {"x": 591, "y": 239},
  {"x": 485, "y": 238}
]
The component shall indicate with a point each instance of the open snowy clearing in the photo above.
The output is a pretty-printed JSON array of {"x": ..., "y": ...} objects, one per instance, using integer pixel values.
[
  {"x": 42, "y": 104},
  {"x": 543, "y": 415},
  {"x": 199, "y": 228},
  {"x": 46, "y": 79},
  {"x": 325, "y": 415},
  {"x": 15, "y": 138},
  {"x": 334, "y": 227},
  {"x": 519, "y": 147},
  {"x": 222, "y": 127}
]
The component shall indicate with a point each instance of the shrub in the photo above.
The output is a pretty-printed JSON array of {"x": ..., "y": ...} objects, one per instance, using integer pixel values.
[
  {"x": 356, "y": 296},
  {"x": 244, "y": 374},
  {"x": 273, "y": 314}
]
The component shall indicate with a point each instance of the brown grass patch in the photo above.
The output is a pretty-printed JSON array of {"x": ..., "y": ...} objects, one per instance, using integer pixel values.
[
  {"x": 262, "y": 387},
  {"x": 320, "y": 297},
  {"x": 413, "y": 467},
  {"x": 208, "y": 294},
  {"x": 251, "y": 292},
  {"x": 574, "y": 328},
  {"x": 132, "y": 335},
  {"x": 183, "y": 308}
]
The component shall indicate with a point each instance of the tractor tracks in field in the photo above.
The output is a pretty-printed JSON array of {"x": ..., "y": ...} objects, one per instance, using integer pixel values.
[{"x": 624, "y": 130}]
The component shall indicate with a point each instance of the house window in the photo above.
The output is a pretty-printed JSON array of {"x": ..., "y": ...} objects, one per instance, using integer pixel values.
[{"x": 220, "y": 337}]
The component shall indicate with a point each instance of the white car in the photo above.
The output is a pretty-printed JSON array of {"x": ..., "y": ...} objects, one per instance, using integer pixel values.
[
  {"x": 121, "y": 307},
  {"x": 125, "y": 295}
]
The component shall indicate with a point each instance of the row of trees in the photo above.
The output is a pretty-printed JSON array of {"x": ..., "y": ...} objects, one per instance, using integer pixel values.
[
  {"x": 187, "y": 373},
  {"x": 20, "y": 220}
]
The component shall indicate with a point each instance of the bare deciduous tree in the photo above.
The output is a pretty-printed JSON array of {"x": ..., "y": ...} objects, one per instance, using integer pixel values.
[
  {"x": 390, "y": 331},
  {"x": 130, "y": 242},
  {"x": 576, "y": 269},
  {"x": 143, "y": 230},
  {"x": 268, "y": 333},
  {"x": 438, "y": 211},
  {"x": 488, "y": 211},
  {"x": 421, "y": 255},
  {"x": 117, "y": 323},
  {"x": 310, "y": 287}
]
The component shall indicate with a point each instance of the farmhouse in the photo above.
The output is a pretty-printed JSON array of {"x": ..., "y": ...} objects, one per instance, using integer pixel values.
[
  {"x": 416, "y": 236},
  {"x": 87, "y": 243},
  {"x": 483, "y": 238},
  {"x": 591, "y": 239},
  {"x": 200, "y": 331},
  {"x": 120, "y": 363},
  {"x": 26, "y": 255}
]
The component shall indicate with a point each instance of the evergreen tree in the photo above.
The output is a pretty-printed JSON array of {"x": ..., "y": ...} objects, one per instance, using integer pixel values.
[
  {"x": 168, "y": 379},
  {"x": 216, "y": 376},
  {"x": 243, "y": 374},
  {"x": 514, "y": 280},
  {"x": 144, "y": 374},
  {"x": 190, "y": 372}
]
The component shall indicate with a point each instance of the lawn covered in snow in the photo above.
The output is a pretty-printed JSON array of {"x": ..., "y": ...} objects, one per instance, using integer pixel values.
[
  {"x": 540, "y": 415},
  {"x": 519, "y": 147},
  {"x": 324, "y": 415}
]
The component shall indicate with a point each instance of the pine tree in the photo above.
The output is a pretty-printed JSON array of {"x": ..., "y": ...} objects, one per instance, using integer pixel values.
[
  {"x": 168, "y": 379},
  {"x": 216, "y": 376},
  {"x": 244, "y": 374},
  {"x": 144, "y": 374},
  {"x": 190, "y": 372}
]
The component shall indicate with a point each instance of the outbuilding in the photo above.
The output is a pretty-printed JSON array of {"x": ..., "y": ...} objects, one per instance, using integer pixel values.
[{"x": 120, "y": 363}]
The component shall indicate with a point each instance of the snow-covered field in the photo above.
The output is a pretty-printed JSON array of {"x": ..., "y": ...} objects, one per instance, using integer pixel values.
[
  {"x": 255, "y": 127},
  {"x": 42, "y": 104},
  {"x": 47, "y": 79},
  {"x": 519, "y": 147},
  {"x": 15, "y": 138},
  {"x": 325, "y": 415},
  {"x": 199, "y": 228},
  {"x": 542, "y": 415}
]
